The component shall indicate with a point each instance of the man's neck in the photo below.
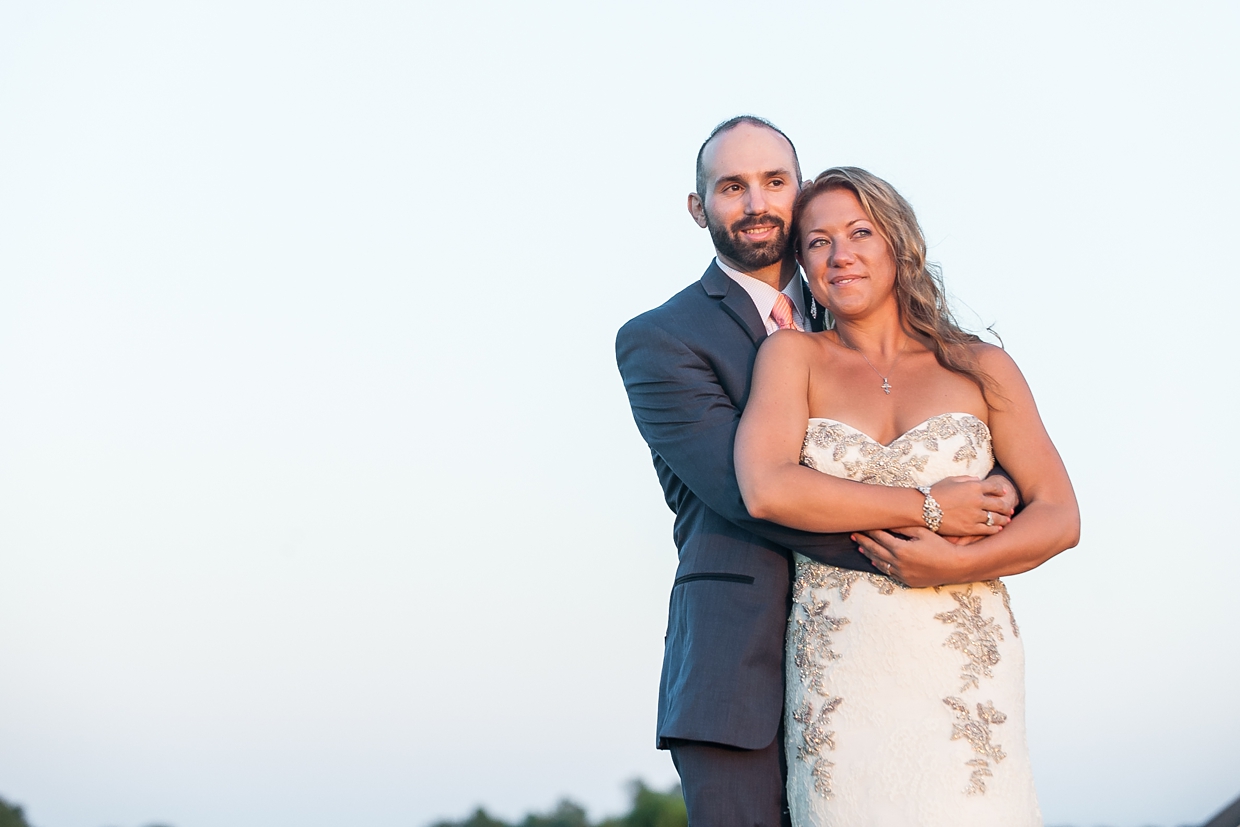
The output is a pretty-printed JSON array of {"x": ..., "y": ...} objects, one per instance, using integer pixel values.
[{"x": 776, "y": 275}]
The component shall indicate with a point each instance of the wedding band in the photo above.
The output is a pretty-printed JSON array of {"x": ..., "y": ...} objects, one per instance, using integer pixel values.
[{"x": 990, "y": 518}]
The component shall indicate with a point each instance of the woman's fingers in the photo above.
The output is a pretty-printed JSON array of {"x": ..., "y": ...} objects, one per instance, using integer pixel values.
[
  {"x": 961, "y": 502},
  {"x": 995, "y": 518},
  {"x": 915, "y": 556},
  {"x": 870, "y": 547},
  {"x": 968, "y": 508},
  {"x": 874, "y": 545}
]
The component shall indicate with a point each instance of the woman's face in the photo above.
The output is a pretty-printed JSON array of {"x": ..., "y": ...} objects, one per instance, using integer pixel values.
[{"x": 850, "y": 267}]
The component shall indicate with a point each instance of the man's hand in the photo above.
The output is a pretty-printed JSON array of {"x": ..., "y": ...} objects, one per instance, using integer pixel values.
[
  {"x": 921, "y": 558},
  {"x": 974, "y": 507},
  {"x": 1008, "y": 498}
]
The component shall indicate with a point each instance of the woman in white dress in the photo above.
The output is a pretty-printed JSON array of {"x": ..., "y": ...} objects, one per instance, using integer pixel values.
[{"x": 905, "y": 701}]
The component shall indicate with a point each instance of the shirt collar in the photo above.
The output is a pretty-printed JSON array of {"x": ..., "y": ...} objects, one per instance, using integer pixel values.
[{"x": 763, "y": 294}]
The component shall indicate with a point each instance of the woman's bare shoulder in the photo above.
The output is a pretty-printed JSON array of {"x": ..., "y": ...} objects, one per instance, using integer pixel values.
[
  {"x": 1001, "y": 370},
  {"x": 992, "y": 358}
]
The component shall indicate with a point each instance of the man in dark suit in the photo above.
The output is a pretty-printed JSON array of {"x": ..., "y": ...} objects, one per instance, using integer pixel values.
[{"x": 686, "y": 367}]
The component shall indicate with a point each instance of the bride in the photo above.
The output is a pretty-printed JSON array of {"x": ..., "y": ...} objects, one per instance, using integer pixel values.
[{"x": 905, "y": 691}]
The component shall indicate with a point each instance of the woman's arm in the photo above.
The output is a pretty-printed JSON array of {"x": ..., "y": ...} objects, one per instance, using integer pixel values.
[
  {"x": 1049, "y": 523},
  {"x": 776, "y": 487}
]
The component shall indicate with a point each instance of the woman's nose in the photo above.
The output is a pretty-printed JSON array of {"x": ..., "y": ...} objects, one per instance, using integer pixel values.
[{"x": 841, "y": 253}]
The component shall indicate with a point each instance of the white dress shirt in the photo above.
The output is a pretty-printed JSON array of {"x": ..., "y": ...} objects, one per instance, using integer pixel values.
[{"x": 763, "y": 296}]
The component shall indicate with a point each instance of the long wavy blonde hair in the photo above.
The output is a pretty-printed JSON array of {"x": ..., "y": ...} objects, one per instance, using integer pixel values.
[{"x": 919, "y": 284}]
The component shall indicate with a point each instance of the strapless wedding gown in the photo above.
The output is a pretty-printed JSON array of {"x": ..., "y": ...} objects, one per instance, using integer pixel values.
[{"x": 905, "y": 706}]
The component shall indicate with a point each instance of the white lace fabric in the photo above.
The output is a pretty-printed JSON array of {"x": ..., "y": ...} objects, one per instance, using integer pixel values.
[{"x": 905, "y": 706}]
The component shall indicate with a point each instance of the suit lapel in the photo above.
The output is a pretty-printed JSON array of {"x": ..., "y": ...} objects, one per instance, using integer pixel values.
[{"x": 735, "y": 301}]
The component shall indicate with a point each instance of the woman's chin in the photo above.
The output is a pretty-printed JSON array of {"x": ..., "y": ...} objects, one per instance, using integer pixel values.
[{"x": 848, "y": 311}]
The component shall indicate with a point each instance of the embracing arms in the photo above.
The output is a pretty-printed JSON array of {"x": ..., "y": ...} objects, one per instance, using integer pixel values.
[
  {"x": 1049, "y": 523},
  {"x": 776, "y": 487},
  {"x": 689, "y": 421}
]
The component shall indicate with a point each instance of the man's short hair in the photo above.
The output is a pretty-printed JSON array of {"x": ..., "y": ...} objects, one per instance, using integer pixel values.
[{"x": 729, "y": 125}]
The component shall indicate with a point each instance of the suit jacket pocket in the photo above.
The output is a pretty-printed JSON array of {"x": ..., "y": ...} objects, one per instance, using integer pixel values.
[{"x": 714, "y": 575}]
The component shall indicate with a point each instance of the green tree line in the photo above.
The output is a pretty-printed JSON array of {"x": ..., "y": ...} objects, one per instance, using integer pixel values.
[
  {"x": 11, "y": 815},
  {"x": 650, "y": 809}
]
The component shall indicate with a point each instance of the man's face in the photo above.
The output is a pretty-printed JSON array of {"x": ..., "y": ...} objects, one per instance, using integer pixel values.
[{"x": 750, "y": 188}]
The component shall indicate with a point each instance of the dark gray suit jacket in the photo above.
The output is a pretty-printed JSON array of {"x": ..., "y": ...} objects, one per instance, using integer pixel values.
[{"x": 686, "y": 366}]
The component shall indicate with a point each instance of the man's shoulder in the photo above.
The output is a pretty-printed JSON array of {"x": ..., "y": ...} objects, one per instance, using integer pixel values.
[
  {"x": 684, "y": 309},
  {"x": 673, "y": 313}
]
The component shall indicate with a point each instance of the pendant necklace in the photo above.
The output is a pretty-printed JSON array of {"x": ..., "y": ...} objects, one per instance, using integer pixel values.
[{"x": 886, "y": 384}]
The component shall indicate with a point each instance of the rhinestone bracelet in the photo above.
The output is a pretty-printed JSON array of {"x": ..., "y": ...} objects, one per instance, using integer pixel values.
[{"x": 931, "y": 512}]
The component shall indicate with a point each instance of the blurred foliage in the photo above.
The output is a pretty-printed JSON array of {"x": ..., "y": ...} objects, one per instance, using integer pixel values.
[
  {"x": 650, "y": 809},
  {"x": 11, "y": 815}
]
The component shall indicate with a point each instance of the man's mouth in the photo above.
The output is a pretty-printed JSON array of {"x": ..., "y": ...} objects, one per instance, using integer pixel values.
[{"x": 758, "y": 231}]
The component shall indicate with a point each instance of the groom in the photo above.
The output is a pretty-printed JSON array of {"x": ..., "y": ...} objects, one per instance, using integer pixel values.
[{"x": 686, "y": 367}]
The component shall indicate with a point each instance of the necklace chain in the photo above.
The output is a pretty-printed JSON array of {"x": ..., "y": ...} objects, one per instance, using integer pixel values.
[{"x": 886, "y": 384}]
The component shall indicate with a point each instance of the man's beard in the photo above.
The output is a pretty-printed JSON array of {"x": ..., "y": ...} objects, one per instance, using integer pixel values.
[{"x": 750, "y": 255}]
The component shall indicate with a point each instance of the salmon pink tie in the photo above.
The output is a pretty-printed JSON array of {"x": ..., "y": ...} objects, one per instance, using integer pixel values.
[{"x": 781, "y": 313}]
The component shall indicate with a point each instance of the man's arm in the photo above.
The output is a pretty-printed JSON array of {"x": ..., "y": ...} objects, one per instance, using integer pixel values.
[{"x": 686, "y": 418}]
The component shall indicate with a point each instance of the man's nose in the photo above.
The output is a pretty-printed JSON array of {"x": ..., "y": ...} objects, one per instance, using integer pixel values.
[{"x": 755, "y": 201}]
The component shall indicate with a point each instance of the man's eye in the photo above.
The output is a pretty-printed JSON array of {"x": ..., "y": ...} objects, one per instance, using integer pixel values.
[{"x": 777, "y": 182}]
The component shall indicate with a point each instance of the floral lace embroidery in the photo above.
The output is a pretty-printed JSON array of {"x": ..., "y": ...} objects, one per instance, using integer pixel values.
[
  {"x": 997, "y": 587},
  {"x": 813, "y": 627},
  {"x": 978, "y": 637},
  {"x": 815, "y": 737},
  {"x": 895, "y": 464},
  {"x": 978, "y": 734},
  {"x": 812, "y": 576}
]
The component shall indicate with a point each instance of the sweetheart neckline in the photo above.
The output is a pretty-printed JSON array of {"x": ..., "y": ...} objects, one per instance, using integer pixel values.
[{"x": 925, "y": 421}]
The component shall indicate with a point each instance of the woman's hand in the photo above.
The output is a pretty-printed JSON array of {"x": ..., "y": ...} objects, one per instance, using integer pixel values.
[
  {"x": 974, "y": 507},
  {"x": 919, "y": 558},
  {"x": 1049, "y": 523}
]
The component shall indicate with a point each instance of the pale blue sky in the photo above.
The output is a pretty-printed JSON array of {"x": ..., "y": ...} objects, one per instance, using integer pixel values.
[{"x": 320, "y": 500}]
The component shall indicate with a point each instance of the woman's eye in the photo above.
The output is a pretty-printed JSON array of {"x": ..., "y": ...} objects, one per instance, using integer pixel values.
[
  {"x": 817, "y": 242},
  {"x": 863, "y": 233}
]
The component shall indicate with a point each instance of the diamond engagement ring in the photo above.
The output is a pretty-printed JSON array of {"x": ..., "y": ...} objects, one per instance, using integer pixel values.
[{"x": 990, "y": 518}]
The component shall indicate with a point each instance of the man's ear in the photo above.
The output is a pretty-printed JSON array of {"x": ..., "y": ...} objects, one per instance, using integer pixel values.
[{"x": 697, "y": 209}]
